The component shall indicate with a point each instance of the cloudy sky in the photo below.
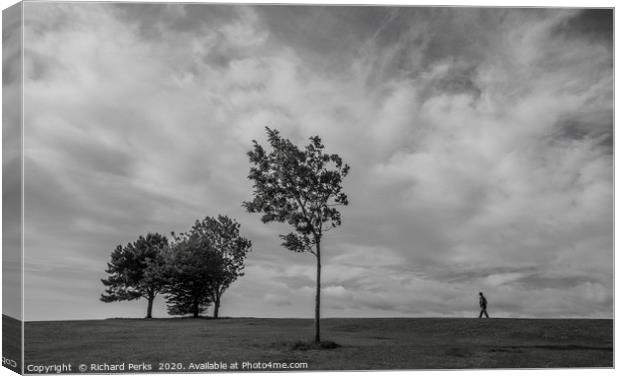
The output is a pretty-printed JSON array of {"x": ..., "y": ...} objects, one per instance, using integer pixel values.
[{"x": 480, "y": 145}]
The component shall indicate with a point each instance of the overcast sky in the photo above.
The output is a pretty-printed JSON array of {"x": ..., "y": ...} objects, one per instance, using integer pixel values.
[{"x": 479, "y": 140}]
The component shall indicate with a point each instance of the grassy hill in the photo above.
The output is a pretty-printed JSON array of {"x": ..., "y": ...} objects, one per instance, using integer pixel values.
[{"x": 374, "y": 343}]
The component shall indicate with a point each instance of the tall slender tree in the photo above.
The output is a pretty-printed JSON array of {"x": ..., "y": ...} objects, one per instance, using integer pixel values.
[
  {"x": 302, "y": 187},
  {"x": 137, "y": 271}
]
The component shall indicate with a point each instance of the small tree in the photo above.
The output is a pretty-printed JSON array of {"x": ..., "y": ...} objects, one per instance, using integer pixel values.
[
  {"x": 222, "y": 234},
  {"x": 302, "y": 188},
  {"x": 137, "y": 271}
]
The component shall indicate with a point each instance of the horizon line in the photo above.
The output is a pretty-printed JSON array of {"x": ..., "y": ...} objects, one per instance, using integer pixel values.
[{"x": 310, "y": 318}]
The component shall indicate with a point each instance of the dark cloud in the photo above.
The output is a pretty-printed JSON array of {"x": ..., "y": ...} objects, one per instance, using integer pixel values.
[
  {"x": 596, "y": 126},
  {"x": 594, "y": 25},
  {"x": 454, "y": 81},
  {"x": 327, "y": 38},
  {"x": 155, "y": 19}
]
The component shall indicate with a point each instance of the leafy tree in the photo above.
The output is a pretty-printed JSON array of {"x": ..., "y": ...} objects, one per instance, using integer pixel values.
[
  {"x": 222, "y": 234},
  {"x": 302, "y": 188},
  {"x": 207, "y": 260},
  {"x": 192, "y": 267},
  {"x": 137, "y": 271}
]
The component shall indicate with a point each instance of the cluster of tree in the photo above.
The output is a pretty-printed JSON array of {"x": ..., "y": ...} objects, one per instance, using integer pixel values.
[
  {"x": 193, "y": 270},
  {"x": 302, "y": 187}
]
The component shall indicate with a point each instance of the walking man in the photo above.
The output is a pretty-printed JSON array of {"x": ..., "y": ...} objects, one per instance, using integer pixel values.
[{"x": 483, "y": 306}]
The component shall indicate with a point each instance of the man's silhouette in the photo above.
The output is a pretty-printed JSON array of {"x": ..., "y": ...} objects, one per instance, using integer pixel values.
[{"x": 483, "y": 306}]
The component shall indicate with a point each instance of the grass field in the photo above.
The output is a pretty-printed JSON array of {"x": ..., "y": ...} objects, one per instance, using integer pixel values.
[{"x": 407, "y": 343}]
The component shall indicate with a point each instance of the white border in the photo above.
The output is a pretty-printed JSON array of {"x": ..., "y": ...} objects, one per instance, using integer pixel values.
[{"x": 476, "y": 3}]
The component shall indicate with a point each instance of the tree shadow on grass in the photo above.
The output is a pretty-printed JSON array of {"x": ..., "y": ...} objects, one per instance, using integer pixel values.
[{"x": 301, "y": 345}]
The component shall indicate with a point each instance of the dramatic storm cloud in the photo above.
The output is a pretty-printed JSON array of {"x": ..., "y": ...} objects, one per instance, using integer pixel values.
[{"x": 480, "y": 145}]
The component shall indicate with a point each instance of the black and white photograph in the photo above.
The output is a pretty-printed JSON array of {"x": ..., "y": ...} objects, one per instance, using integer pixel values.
[{"x": 226, "y": 187}]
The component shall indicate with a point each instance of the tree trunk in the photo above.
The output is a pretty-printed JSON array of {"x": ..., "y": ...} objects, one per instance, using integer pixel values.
[
  {"x": 149, "y": 307},
  {"x": 317, "y": 303},
  {"x": 216, "y": 306},
  {"x": 195, "y": 308}
]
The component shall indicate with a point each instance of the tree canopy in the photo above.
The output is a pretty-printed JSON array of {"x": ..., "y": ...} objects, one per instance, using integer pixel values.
[
  {"x": 136, "y": 271},
  {"x": 222, "y": 233},
  {"x": 207, "y": 259},
  {"x": 192, "y": 269}
]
